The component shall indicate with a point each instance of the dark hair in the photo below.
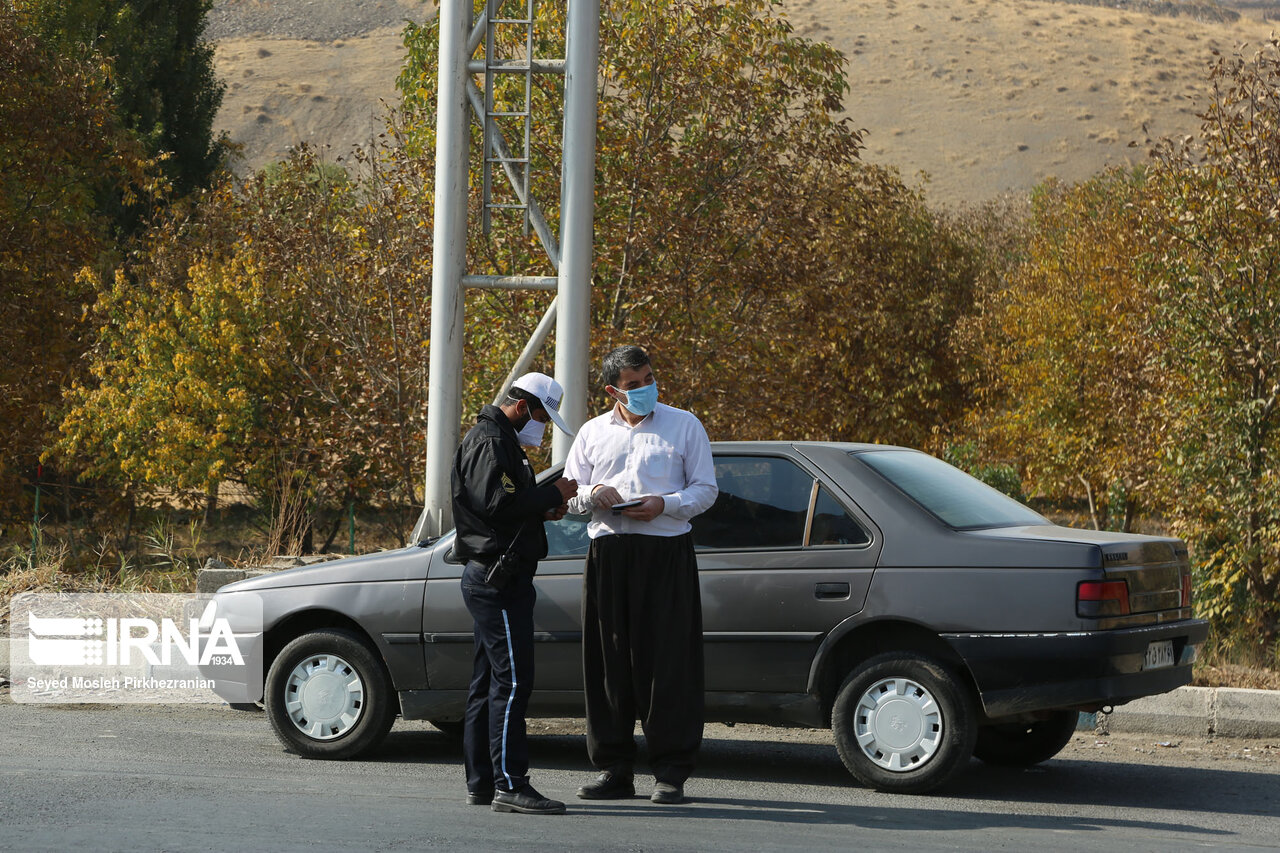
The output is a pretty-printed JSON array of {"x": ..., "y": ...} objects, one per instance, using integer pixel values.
[
  {"x": 623, "y": 358},
  {"x": 516, "y": 394}
]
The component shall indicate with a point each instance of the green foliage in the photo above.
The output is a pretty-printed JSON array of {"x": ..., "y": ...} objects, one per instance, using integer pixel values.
[{"x": 162, "y": 75}]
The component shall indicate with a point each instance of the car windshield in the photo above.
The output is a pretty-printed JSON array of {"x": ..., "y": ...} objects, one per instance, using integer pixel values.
[{"x": 958, "y": 500}]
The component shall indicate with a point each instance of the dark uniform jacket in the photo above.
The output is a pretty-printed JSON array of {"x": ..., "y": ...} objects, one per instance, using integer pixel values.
[{"x": 494, "y": 492}]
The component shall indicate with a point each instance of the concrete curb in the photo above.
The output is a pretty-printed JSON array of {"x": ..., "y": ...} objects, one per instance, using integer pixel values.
[
  {"x": 1187, "y": 711},
  {"x": 1200, "y": 712}
]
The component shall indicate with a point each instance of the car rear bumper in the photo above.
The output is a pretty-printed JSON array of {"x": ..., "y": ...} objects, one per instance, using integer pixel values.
[{"x": 1086, "y": 670}]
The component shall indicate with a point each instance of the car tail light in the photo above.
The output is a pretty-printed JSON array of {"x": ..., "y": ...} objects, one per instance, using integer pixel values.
[
  {"x": 1102, "y": 598},
  {"x": 1186, "y": 590}
]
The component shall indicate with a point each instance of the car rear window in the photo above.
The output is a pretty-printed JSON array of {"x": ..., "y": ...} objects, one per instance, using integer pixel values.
[{"x": 958, "y": 500}]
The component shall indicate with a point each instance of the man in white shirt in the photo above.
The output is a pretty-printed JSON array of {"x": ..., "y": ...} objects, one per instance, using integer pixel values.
[{"x": 644, "y": 470}]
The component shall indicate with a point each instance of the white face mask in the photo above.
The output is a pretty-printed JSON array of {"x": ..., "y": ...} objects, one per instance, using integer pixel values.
[{"x": 531, "y": 434}]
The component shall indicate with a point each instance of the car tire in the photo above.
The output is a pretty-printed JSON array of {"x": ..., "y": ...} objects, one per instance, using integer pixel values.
[
  {"x": 328, "y": 696},
  {"x": 1025, "y": 744},
  {"x": 903, "y": 723}
]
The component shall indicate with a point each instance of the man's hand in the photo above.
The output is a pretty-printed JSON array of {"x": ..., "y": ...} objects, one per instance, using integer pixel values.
[
  {"x": 557, "y": 513},
  {"x": 568, "y": 488},
  {"x": 650, "y": 508},
  {"x": 605, "y": 497}
]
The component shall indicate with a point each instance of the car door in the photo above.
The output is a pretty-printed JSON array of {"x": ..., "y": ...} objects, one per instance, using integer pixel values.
[
  {"x": 448, "y": 626},
  {"x": 782, "y": 560},
  {"x": 557, "y": 617}
]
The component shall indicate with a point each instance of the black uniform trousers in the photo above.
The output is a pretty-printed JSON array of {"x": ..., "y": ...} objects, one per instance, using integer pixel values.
[
  {"x": 642, "y": 653},
  {"x": 495, "y": 746}
]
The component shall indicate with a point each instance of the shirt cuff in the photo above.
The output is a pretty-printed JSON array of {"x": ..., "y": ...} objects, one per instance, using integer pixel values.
[{"x": 670, "y": 503}]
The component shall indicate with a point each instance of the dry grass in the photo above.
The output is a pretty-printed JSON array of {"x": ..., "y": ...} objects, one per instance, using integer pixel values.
[
  {"x": 1235, "y": 675},
  {"x": 49, "y": 568},
  {"x": 1232, "y": 662}
]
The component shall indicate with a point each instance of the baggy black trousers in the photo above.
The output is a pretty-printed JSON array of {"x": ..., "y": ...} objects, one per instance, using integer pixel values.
[
  {"x": 494, "y": 742},
  {"x": 642, "y": 653}
]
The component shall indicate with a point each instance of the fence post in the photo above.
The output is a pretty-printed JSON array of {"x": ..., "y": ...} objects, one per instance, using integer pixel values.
[{"x": 35, "y": 518}]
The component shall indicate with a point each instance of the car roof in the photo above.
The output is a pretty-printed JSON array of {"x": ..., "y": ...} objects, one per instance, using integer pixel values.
[{"x": 758, "y": 446}]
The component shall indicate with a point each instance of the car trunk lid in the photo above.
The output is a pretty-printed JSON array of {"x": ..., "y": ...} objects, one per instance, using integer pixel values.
[{"x": 1156, "y": 574}]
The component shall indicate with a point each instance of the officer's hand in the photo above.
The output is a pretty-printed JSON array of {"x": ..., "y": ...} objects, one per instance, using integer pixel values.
[
  {"x": 606, "y": 496},
  {"x": 557, "y": 513},
  {"x": 568, "y": 488},
  {"x": 650, "y": 508}
]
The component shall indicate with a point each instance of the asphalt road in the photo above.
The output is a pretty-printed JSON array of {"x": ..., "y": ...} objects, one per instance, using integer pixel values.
[{"x": 193, "y": 778}]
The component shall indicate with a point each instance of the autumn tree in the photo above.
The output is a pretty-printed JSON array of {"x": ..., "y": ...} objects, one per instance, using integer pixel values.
[
  {"x": 60, "y": 144},
  {"x": 867, "y": 348},
  {"x": 274, "y": 337},
  {"x": 1213, "y": 254},
  {"x": 1070, "y": 391}
]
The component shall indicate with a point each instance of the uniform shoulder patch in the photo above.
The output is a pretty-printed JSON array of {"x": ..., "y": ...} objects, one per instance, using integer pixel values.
[{"x": 508, "y": 486}]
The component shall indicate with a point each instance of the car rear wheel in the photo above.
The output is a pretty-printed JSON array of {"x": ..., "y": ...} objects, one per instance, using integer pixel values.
[
  {"x": 903, "y": 723},
  {"x": 328, "y": 696},
  {"x": 1025, "y": 744}
]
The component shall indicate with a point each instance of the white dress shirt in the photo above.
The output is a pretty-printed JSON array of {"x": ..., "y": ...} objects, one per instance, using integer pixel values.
[{"x": 666, "y": 454}]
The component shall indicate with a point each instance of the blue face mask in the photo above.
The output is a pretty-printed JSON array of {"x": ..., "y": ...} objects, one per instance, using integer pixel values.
[{"x": 641, "y": 401}]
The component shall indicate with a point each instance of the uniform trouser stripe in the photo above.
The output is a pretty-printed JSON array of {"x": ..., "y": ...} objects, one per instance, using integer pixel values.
[{"x": 511, "y": 697}]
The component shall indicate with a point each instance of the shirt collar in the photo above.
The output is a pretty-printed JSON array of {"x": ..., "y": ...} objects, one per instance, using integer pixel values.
[{"x": 617, "y": 419}]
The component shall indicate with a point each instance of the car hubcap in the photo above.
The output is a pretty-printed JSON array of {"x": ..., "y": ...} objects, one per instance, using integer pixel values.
[
  {"x": 324, "y": 696},
  {"x": 898, "y": 724}
]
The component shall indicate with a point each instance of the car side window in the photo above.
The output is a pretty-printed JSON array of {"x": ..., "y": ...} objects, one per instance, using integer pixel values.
[
  {"x": 763, "y": 503},
  {"x": 568, "y": 536},
  {"x": 832, "y": 524}
]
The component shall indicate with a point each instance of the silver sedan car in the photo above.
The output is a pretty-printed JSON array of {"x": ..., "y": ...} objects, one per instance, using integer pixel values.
[{"x": 923, "y": 616}]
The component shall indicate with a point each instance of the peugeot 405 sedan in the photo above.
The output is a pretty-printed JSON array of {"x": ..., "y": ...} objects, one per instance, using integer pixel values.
[{"x": 923, "y": 616}]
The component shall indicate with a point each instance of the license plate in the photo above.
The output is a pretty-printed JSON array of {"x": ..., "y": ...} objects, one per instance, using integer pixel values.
[{"x": 1159, "y": 654}]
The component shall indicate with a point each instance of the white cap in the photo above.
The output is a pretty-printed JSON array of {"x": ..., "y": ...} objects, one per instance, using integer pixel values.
[{"x": 548, "y": 392}]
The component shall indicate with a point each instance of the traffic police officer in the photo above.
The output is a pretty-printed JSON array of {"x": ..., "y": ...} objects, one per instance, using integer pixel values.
[{"x": 498, "y": 509}]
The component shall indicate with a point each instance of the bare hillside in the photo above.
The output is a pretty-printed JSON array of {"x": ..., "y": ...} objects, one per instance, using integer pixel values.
[
  {"x": 983, "y": 95},
  {"x": 318, "y": 71}
]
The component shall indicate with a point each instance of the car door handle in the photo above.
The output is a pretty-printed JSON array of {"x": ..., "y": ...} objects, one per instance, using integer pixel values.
[{"x": 831, "y": 591}]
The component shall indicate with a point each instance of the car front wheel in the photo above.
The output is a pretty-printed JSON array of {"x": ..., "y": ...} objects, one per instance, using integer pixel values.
[
  {"x": 328, "y": 696},
  {"x": 1025, "y": 744},
  {"x": 903, "y": 723}
]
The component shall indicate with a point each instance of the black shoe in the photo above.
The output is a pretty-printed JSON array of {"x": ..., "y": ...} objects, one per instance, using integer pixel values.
[
  {"x": 525, "y": 801},
  {"x": 479, "y": 798},
  {"x": 608, "y": 787},
  {"x": 667, "y": 794}
]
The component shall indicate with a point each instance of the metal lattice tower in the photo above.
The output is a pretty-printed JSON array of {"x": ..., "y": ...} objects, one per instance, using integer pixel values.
[
  {"x": 570, "y": 256},
  {"x": 522, "y": 164}
]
